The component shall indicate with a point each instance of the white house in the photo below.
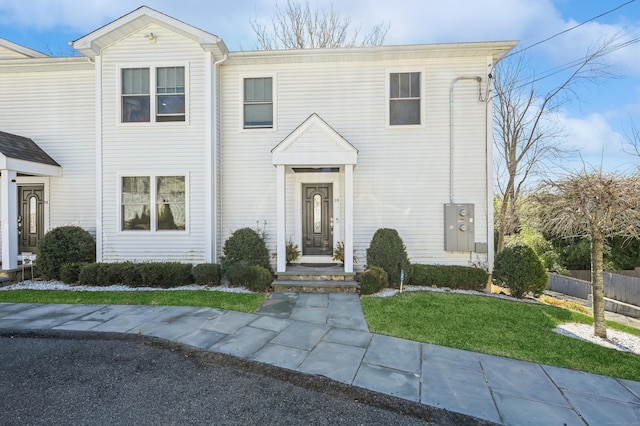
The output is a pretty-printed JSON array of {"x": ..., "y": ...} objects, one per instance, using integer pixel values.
[{"x": 161, "y": 142}]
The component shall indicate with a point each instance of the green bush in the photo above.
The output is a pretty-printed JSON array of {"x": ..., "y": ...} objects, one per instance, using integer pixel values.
[
  {"x": 164, "y": 274},
  {"x": 206, "y": 274},
  {"x": 373, "y": 280},
  {"x": 520, "y": 269},
  {"x": 70, "y": 272},
  {"x": 388, "y": 252},
  {"x": 148, "y": 274},
  {"x": 88, "y": 274},
  {"x": 66, "y": 244},
  {"x": 245, "y": 245},
  {"x": 451, "y": 276},
  {"x": 252, "y": 277}
]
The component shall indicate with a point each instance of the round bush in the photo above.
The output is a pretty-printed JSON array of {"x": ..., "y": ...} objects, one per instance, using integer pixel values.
[
  {"x": 520, "y": 269},
  {"x": 262, "y": 279},
  {"x": 206, "y": 274},
  {"x": 251, "y": 277},
  {"x": 245, "y": 245},
  {"x": 388, "y": 252},
  {"x": 70, "y": 272},
  {"x": 373, "y": 280},
  {"x": 66, "y": 244}
]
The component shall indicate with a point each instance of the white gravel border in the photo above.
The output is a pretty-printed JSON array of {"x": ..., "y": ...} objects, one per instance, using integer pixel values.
[{"x": 57, "y": 285}]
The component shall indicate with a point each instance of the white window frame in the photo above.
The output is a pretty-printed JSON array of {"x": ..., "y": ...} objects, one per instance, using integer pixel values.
[
  {"x": 153, "y": 224},
  {"x": 388, "y": 98},
  {"x": 274, "y": 97},
  {"x": 153, "y": 95}
]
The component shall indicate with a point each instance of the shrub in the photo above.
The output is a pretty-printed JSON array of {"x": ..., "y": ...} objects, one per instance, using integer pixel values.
[
  {"x": 388, "y": 252},
  {"x": 252, "y": 277},
  {"x": 148, "y": 274},
  {"x": 88, "y": 274},
  {"x": 70, "y": 272},
  {"x": 451, "y": 276},
  {"x": 519, "y": 268},
  {"x": 66, "y": 244},
  {"x": 206, "y": 274},
  {"x": 245, "y": 245},
  {"x": 164, "y": 274},
  {"x": 373, "y": 280}
]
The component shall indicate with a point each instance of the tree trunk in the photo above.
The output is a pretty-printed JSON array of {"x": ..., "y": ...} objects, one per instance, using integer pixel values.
[{"x": 597, "y": 285}]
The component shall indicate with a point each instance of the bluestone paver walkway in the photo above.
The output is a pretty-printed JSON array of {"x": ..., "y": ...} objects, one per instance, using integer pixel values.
[{"x": 327, "y": 335}]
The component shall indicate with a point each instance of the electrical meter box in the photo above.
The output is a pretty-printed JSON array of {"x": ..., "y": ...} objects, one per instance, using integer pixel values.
[{"x": 459, "y": 232}]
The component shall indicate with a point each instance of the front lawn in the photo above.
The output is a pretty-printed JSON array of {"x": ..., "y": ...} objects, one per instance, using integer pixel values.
[
  {"x": 498, "y": 327},
  {"x": 241, "y": 302}
]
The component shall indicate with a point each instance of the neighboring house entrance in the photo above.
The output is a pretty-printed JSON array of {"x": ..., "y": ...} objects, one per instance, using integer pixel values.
[
  {"x": 317, "y": 219},
  {"x": 30, "y": 217}
]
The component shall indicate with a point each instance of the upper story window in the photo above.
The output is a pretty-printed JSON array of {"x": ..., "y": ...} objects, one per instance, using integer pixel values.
[
  {"x": 168, "y": 102},
  {"x": 404, "y": 98},
  {"x": 258, "y": 103}
]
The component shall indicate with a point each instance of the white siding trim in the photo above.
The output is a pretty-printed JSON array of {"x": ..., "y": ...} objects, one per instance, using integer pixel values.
[
  {"x": 98, "y": 142},
  {"x": 281, "y": 221},
  {"x": 9, "y": 217},
  {"x": 209, "y": 164}
]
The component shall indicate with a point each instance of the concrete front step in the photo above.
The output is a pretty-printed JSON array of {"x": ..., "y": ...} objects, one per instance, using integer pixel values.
[{"x": 315, "y": 286}]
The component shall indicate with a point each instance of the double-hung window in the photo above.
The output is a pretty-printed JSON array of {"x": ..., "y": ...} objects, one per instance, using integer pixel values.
[
  {"x": 168, "y": 86},
  {"x": 404, "y": 98},
  {"x": 258, "y": 103},
  {"x": 153, "y": 203}
]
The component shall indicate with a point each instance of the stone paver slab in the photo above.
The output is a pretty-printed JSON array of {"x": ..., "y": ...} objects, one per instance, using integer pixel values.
[
  {"x": 333, "y": 360},
  {"x": 518, "y": 411},
  {"x": 434, "y": 355},
  {"x": 271, "y": 323},
  {"x": 388, "y": 381},
  {"x": 604, "y": 411},
  {"x": 278, "y": 304},
  {"x": 391, "y": 352},
  {"x": 301, "y": 335},
  {"x": 230, "y": 322},
  {"x": 309, "y": 314},
  {"x": 107, "y": 312},
  {"x": 351, "y": 323},
  {"x": 459, "y": 390},
  {"x": 318, "y": 300},
  {"x": 201, "y": 339},
  {"x": 281, "y": 356},
  {"x": 244, "y": 343},
  {"x": 348, "y": 337},
  {"x": 632, "y": 386},
  {"x": 78, "y": 325},
  {"x": 520, "y": 379}
]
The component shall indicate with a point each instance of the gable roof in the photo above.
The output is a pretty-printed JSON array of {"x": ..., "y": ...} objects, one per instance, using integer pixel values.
[
  {"x": 25, "y": 156},
  {"x": 314, "y": 143},
  {"x": 20, "y": 52},
  {"x": 92, "y": 43}
]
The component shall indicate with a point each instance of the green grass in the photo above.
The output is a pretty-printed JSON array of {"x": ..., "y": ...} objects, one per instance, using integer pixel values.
[
  {"x": 498, "y": 327},
  {"x": 242, "y": 302}
]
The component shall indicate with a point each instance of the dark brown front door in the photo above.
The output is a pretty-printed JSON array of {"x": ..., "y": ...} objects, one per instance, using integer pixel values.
[
  {"x": 30, "y": 217},
  {"x": 317, "y": 219}
]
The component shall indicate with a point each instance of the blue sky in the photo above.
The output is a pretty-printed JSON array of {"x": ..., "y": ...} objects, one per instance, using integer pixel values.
[{"x": 596, "y": 122}]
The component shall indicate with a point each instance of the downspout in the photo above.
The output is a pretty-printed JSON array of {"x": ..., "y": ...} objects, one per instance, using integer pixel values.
[
  {"x": 451, "y": 126},
  {"x": 215, "y": 158}
]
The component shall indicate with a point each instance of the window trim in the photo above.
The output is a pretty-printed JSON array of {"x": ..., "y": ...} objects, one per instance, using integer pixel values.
[
  {"x": 153, "y": 223},
  {"x": 274, "y": 101},
  {"x": 153, "y": 94},
  {"x": 422, "y": 98}
]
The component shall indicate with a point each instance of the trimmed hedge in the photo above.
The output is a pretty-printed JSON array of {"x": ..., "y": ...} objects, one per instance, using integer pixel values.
[
  {"x": 252, "y": 277},
  {"x": 66, "y": 244},
  {"x": 451, "y": 276},
  {"x": 373, "y": 280},
  {"x": 520, "y": 269},
  {"x": 148, "y": 274},
  {"x": 206, "y": 274},
  {"x": 387, "y": 251}
]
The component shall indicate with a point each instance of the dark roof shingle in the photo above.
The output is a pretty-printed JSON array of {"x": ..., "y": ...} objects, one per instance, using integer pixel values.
[{"x": 21, "y": 148}]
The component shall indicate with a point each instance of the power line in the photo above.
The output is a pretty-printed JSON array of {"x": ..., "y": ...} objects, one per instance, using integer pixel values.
[{"x": 570, "y": 29}]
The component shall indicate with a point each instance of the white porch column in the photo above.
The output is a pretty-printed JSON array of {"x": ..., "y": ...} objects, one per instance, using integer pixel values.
[
  {"x": 9, "y": 217},
  {"x": 281, "y": 221},
  {"x": 348, "y": 218}
]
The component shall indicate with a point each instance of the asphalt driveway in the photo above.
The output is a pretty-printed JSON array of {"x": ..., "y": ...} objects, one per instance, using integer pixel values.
[{"x": 91, "y": 381}]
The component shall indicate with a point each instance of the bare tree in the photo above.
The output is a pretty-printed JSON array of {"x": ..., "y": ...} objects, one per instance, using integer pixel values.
[
  {"x": 596, "y": 206},
  {"x": 527, "y": 137},
  {"x": 298, "y": 26}
]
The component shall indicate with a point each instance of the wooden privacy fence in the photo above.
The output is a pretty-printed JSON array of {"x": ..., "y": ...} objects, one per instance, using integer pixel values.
[{"x": 622, "y": 293}]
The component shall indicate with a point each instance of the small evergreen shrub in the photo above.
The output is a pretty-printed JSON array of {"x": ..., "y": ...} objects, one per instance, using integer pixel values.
[
  {"x": 70, "y": 272},
  {"x": 66, "y": 244},
  {"x": 245, "y": 245},
  {"x": 518, "y": 268},
  {"x": 450, "y": 276},
  {"x": 387, "y": 251},
  {"x": 164, "y": 274},
  {"x": 88, "y": 274},
  {"x": 206, "y": 274},
  {"x": 373, "y": 280},
  {"x": 251, "y": 277},
  {"x": 147, "y": 274}
]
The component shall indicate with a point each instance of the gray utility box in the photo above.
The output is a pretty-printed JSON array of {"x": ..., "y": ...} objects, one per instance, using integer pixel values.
[{"x": 459, "y": 232}]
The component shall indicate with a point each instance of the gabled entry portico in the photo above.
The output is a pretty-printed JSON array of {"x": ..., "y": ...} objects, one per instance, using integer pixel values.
[
  {"x": 315, "y": 167},
  {"x": 21, "y": 157}
]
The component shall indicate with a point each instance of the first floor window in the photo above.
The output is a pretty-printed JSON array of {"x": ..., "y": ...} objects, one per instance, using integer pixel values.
[
  {"x": 404, "y": 98},
  {"x": 153, "y": 203}
]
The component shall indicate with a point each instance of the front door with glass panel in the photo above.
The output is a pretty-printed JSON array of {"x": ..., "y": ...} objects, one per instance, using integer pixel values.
[
  {"x": 317, "y": 219},
  {"x": 30, "y": 217}
]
